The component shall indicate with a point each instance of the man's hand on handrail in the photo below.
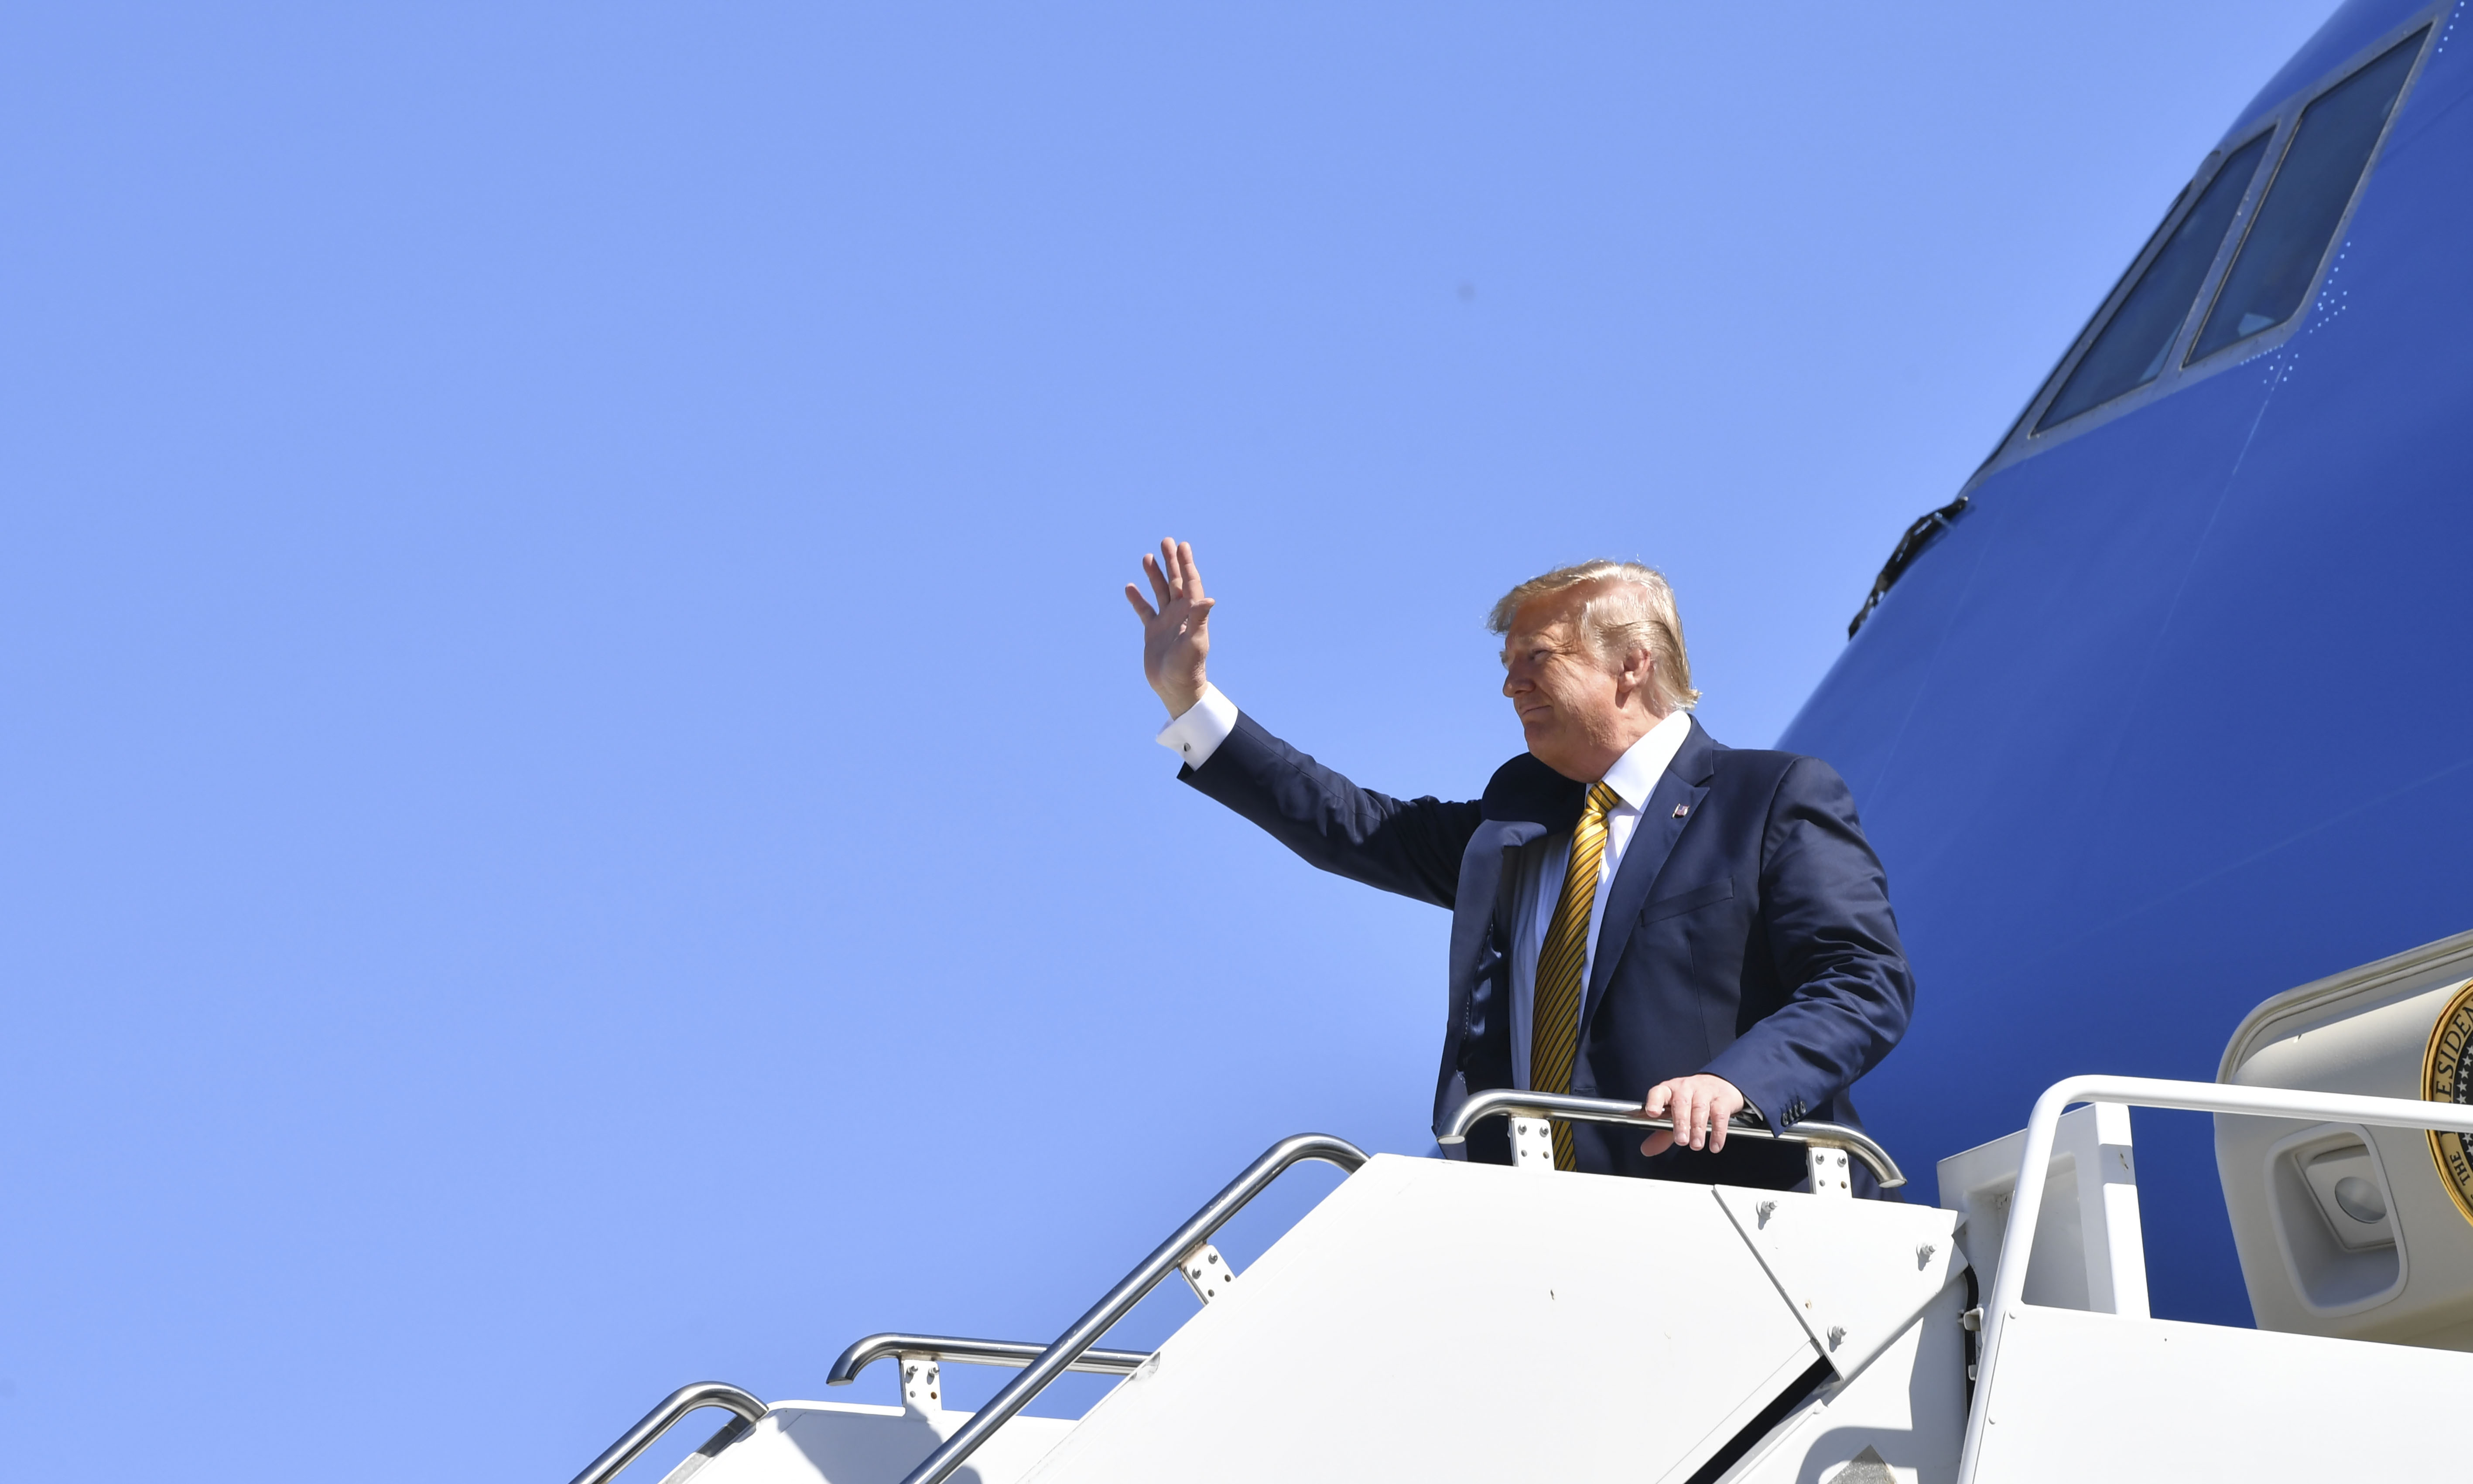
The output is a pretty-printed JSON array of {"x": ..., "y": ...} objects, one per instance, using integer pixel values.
[{"x": 1699, "y": 1106}]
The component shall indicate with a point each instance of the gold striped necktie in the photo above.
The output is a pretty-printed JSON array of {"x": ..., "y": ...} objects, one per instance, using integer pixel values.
[{"x": 1554, "y": 1009}]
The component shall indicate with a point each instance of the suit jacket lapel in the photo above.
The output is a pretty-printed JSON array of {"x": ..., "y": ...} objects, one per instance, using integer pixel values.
[
  {"x": 1684, "y": 784},
  {"x": 1484, "y": 884},
  {"x": 1524, "y": 800}
]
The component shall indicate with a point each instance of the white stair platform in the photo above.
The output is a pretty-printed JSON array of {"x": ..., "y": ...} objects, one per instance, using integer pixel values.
[{"x": 1441, "y": 1321}]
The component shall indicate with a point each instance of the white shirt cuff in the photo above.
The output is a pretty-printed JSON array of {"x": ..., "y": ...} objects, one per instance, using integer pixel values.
[{"x": 1206, "y": 723}]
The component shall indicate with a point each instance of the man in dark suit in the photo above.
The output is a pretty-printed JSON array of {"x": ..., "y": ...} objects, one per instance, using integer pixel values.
[{"x": 1637, "y": 911}]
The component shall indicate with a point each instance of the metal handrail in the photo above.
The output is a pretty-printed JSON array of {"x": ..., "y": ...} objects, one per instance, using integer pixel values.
[
  {"x": 865, "y": 1352},
  {"x": 1075, "y": 1341},
  {"x": 662, "y": 1419},
  {"x": 2026, "y": 1201},
  {"x": 1599, "y": 1110}
]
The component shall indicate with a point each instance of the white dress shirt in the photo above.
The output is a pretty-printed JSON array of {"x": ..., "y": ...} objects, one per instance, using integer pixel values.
[{"x": 1197, "y": 734}]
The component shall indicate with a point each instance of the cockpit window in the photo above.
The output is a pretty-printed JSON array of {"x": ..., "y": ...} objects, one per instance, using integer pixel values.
[
  {"x": 2289, "y": 234},
  {"x": 2133, "y": 347}
]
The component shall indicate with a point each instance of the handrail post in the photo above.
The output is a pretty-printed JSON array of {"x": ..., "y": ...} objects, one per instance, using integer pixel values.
[{"x": 1121, "y": 1299}]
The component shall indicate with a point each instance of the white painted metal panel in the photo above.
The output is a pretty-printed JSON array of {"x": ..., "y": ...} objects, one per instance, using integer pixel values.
[
  {"x": 840, "y": 1442},
  {"x": 1441, "y": 1321},
  {"x": 1854, "y": 1273},
  {"x": 1907, "y": 1410},
  {"x": 2078, "y": 1397},
  {"x": 2089, "y": 1252}
]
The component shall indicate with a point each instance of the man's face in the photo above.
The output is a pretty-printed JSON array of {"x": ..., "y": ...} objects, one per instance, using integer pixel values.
[{"x": 1568, "y": 702}]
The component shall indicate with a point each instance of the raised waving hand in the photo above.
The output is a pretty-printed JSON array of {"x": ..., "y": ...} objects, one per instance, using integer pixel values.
[{"x": 1176, "y": 634}]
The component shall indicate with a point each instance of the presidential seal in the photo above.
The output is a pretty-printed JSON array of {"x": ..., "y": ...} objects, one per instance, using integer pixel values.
[{"x": 2447, "y": 1077}]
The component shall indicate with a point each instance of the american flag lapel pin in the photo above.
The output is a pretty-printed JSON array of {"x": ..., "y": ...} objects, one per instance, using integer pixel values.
[{"x": 1682, "y": 809}]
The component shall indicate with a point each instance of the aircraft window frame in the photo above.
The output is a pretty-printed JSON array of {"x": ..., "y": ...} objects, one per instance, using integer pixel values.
[
  {"x": 2025, "y": 437},
  {"x": 2031, "y": 434},
  {"x": 2344, "y": 217},
  {"x": 2235, "y": 229}
]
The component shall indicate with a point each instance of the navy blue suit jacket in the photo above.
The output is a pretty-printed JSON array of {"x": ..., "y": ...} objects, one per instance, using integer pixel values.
[{"x": 1750, "y": 938}]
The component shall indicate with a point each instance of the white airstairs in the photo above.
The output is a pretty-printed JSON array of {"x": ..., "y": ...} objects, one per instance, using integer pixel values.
[{"x": 1437, "y": 1321}]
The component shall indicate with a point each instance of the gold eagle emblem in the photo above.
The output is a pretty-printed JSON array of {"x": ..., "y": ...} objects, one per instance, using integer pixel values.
[{"x": 2447, "y": 1077}]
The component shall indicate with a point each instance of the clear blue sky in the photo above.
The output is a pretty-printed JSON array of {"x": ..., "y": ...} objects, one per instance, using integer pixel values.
[{"x": 579, "y": 804}]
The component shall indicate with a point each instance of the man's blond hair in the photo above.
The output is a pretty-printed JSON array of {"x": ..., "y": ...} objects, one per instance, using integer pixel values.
[{"x": 1629, "y": 608}]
